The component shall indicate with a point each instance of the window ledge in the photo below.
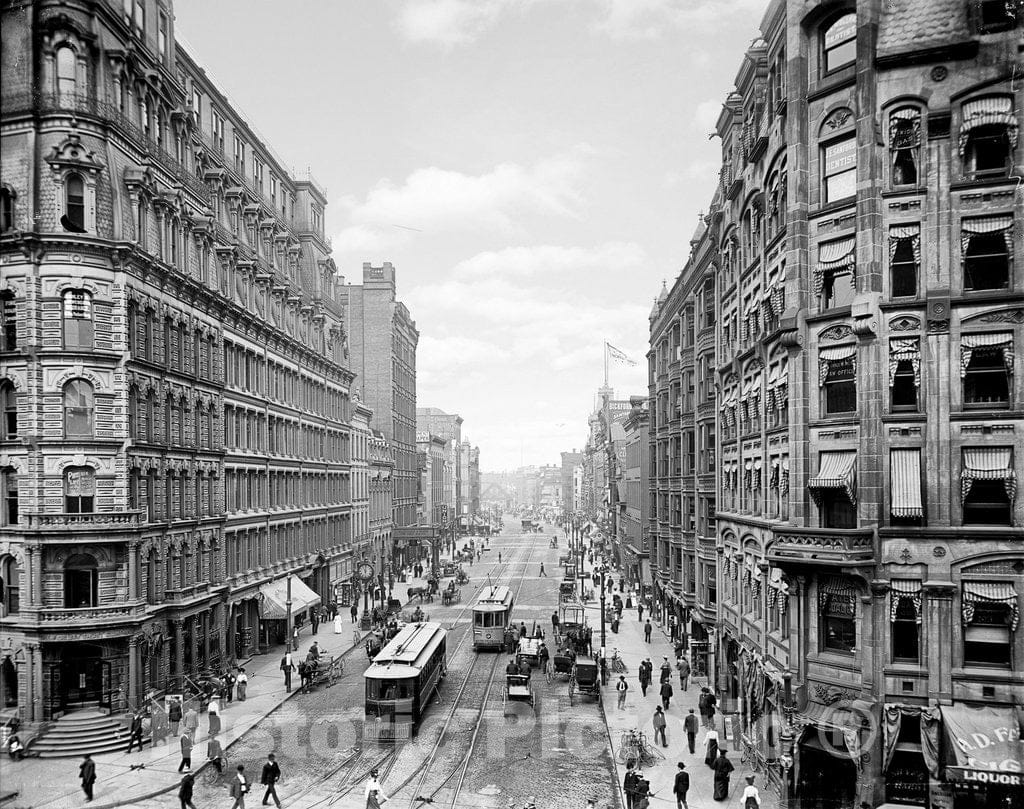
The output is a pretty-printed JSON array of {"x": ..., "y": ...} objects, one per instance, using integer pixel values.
[
  {"x": 969, "y": 183},
  {"x": 983, "y": 413},
  {"x": 905, "y": 191},
  {"x": 829, "y": 314},
  {"x": 993, "y": 673},
  {"x": 832, "y": 207},
  {"x": 840, "y": 79},
  {"x": 896, "y": 416}
]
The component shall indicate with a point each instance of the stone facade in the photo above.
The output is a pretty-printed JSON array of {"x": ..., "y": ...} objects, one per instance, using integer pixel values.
[
  {"x": 176, "y": 359},
  {"x": 846, "y": 327}
]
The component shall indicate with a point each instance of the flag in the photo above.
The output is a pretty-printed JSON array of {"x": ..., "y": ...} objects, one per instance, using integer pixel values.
[{"x": 617, "y": 355}]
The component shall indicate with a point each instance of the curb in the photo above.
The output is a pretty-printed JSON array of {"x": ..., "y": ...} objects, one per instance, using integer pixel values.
[{"x": 164, "y": 790}]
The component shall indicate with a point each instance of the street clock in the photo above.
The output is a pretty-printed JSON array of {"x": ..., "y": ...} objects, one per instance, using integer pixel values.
[{"x": 365, "y": 571}]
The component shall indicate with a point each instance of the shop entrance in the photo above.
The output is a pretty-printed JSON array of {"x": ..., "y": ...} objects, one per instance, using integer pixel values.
[{"x": 828, "y": 779}]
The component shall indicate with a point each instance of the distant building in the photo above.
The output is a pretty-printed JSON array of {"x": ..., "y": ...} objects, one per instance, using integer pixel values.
[
  {"x": 448, "y": 426},
  {"x": 570, "y": 460}
]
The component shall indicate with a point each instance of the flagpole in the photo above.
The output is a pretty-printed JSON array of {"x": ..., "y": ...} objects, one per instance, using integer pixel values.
[{"x": 606, "y": 363}]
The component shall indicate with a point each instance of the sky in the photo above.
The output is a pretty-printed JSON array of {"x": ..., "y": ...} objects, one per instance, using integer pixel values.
[{"x": 534, "y": 170}]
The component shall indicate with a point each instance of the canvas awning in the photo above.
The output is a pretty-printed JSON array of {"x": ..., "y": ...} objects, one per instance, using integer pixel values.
[
  {"x": 905, "y": 483},
  {"x": 833, "y": 255},
  {"x": 836, "y": 471},
  {"x": 991, "y": 592},
  {"x": 984, "y": 739},
  {"x": 274, "y": 598},
  {"x": 988, "y": 463},
  {"x": 909, "y": 589},
  {"x": 837, "y": 356},
  {"x": 983, "y": 111}
]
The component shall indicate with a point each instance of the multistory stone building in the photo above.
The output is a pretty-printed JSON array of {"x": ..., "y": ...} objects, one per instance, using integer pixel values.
[
  {"x": 173, "y": 368},
  {"x": 345, "y": 584},
  {"x": 632, "y": 490},
  {"x": 570, "y": 460},
  {"x": 381, "y": 491},
  {"x": 448, "y": 426},
  {"x": 432, "y": 450},
  {"x": 383, "y": 355},
  {"x": 850, "y": 311}
]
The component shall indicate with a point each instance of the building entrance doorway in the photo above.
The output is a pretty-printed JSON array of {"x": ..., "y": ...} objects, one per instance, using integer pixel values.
[{"x": 84, "y": 677}]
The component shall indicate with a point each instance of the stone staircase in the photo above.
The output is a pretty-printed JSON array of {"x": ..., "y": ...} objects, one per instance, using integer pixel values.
[{"x": 80, "y": 732}]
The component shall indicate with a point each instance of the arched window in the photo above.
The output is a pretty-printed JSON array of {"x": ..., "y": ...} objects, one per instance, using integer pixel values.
[
  {"x": 74, "y": 203},
  {"x": 133, "y": 412},
  {"x": 81, "y": 580},
  {"x": 987, "y": 137},
  {"x": 839, "y": 43},
  {"x": 78, "y": 409},
  {"x": 9, "y": 488},
  {"x": 6, "y": 210},
  {"x": 78, "y": 329},
  {"x": 79, "y": 489},
  {"x": 905, "y": 145},
  {"x": 66, "y": 74},
  {"x": 9, "y": 410}
]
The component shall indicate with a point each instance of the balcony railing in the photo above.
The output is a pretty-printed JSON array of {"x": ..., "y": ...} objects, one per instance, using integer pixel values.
[
  {"x": 49, "y": 102},
  {"x": 96, "y": 519},
  {"x": 825, "y": 546},
  {"x": 92, "y": 615}
]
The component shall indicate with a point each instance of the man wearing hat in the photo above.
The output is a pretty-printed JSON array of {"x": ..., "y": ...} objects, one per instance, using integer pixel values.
[
  {"x": 751, "y": 797},
  {"x": 681, "y": 786},
  {"x": 666, "y": 669}
]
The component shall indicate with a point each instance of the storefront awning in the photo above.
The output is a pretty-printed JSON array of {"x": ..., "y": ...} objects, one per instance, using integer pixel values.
[
  {"x": 274, "y": 598},
  {"x": 836, "y": 471},
  {"x": 905, "y": 482},
  {"x": 982, "y": 741}
]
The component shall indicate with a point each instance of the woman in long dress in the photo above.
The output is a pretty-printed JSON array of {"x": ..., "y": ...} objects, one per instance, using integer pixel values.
[
  {"x": 374, "y": 794},
  {"x": 722, "y": 769},
  {"x": 711, "y": 740}
]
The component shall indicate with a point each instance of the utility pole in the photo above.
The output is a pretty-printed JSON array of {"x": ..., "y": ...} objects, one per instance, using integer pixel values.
[{"x": 288, "y": 609}]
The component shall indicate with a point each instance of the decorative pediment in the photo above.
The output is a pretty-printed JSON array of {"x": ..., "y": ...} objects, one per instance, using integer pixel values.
[
  {"x": 1015, "y": 315},
  {"x": 838, "y": 332},
  {"x": 838, "y": 119},
  {"x": 70, "y": 154},
  {"x": 904, "y": 323},
  {"x": 140, "y": 180}
]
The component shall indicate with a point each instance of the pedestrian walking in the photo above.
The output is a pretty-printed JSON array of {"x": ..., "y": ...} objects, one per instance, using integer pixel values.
[
  {"x": 287, "y": 667},
  {"x": 690, "y": 726},
  {"x": 666, "y": 670},
  {"x": 622, "y": 585},
  {"x": 269, "y": 777},
  {"x": 239, "y": 788},
  {"x": 644, "y": 675},
  {"x": 228, "y": 691},
  {"x": 314, "y": 618},
  {"x": 295, "y": 639},
  {"x": 683, "y": 667},
  {"x": 191, "y": 722},
  {"x": 186, "y": 753},
  {"x": 710, "y": 746},
  {"x": 185, "y": 791},
  {"x": 647, "y": 631},
  {"x": 666, "y": 693},
  {"x": 751, "y": 796},
  {"x": 241, "y": 683},
  {"x": 158, "y": 727},
  {"x": 639, "y": 610},
  {"x": 681, "y": 786},
  {"x": 174, "y": 715},
  {"x": 712, "y": 701},
  {"x": 659, "y": 726},
  {"x": 629, "y": 785},
  {"x": 215, "y": 754},
  {"x": 135, "y": 732},
  {"x": 374, "y": 794},
  {"x": 354, "y": 612},
  {"x": 554, "y": 622},
  {"x": 622, "y": 687},
  {"x": 702, "y": 706},
  {"x": 87, "y": 774},
  {"x": 499, "y": 557},
  {"x": 673, "y": 624},
  {"x": 722, "y": 768},
  {"x": 542, "y": 570}
]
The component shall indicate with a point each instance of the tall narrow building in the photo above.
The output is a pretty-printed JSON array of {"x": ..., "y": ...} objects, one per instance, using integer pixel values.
[{"x": 382, "y": 345}]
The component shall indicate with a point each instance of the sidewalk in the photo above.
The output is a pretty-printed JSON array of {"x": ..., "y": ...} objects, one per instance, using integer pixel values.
[
  {"x": 53, "y": 782},
  {"x": 639, "y": 711}
]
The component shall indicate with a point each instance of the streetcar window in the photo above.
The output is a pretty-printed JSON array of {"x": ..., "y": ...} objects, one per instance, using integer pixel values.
[
  {"x": 389, "y": 689},
  {"x": 479, "y": 618}
]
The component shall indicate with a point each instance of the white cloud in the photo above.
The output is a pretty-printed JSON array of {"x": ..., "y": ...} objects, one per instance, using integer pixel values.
[
  {"x": 648, "y": 19},
  {"x": 434, "y": 199},
  {"x": 365, "y": 239},
  {"x": 705, "y": 115},
  {"x": 448, "y": 22},
  {"x": 552, "y": 262}
]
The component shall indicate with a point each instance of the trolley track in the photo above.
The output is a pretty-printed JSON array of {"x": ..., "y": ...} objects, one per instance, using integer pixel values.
[{"x": 424, "y": 769}]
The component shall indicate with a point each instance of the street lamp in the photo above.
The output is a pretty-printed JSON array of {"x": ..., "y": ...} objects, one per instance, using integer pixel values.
[{"x": 603, "y": 570}]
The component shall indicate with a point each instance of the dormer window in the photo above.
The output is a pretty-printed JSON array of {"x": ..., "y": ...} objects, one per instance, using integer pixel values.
[{"x": 905, "y": 145}]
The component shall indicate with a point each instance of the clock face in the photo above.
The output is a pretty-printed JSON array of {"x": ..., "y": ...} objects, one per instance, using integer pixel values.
[{"x": 365, "y": 571}]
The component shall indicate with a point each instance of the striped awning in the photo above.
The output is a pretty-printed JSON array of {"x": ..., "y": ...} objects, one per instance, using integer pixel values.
[
  {"x": 905, "y": 349},
  {"x": 905, "y": 233},
  {"x": 979, "y": 225},
  {"x": 984, "y": 111},
  {"x": 830, "y": 586},
  {"x": 905, "y": 483},
  {"x": 833, "y": 256},
  {"x": 970, "y": 342},
  {"x": 836, "y": 471},
  {"x": 901, "y": 589},
  {"x": 992, "y": 592},
  {"x": 905, "y": 128},
  {"x": 835, "y": 354},
  {"x": 988, "y": 463}
]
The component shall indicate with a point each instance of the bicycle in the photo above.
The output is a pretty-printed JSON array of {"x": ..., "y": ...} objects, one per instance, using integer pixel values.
[
  {"x": 618, "y": 665},
  {"x": 752, "y": 757},
  {"x": 213, "y": 773},
  {"x": 634, "y": 745}
]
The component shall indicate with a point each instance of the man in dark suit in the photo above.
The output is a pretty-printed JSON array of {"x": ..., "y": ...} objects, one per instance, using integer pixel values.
[
  {"x": 87, "y": 772},
  {"x": 269, "y": 777},
  {"x": 135, "y": 736},
  {"x": 681, "y": 786},
  {"x": 239, "y": 788}
]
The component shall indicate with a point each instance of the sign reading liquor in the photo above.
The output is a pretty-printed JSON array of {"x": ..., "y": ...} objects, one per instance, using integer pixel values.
[{"x": 985, "y": 743}]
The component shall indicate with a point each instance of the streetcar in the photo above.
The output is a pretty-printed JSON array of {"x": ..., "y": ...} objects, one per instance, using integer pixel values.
[
  {"x": 492, "y": 615},
  {"x": 401, "y": 679}
]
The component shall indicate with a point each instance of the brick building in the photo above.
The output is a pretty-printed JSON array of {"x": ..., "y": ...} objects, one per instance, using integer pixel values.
[
  {"x": 174, "y": 367},
  {"x": 841, "y": 346},
  {"x": 383, "y": 340},
  {"x": 570, "y": 460},
  {"x": 632, "y": 493}
]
